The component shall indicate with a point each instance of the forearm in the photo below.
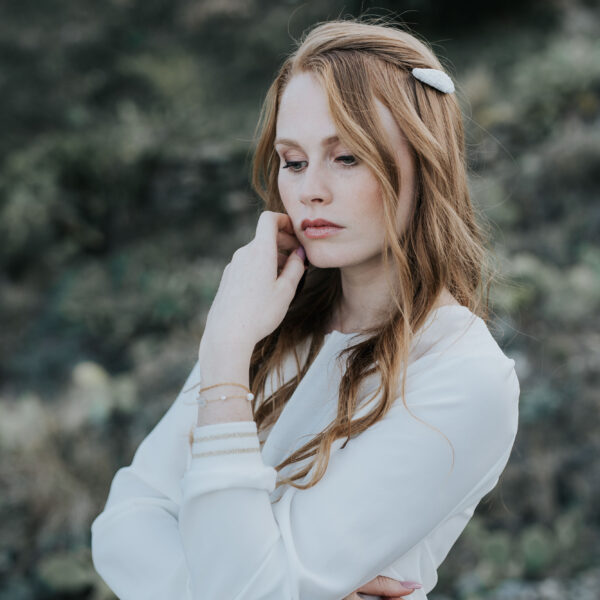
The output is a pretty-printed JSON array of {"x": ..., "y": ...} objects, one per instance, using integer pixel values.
[
  {"x": 225, "y": 515},
  {"x": 222, "y": 361}
]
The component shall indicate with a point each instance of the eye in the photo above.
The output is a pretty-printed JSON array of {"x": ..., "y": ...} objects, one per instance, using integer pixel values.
[
  {"x": 293, "y": 164},
  {"x": 347, "y": 160},
  {"x": 347, "y": 157}
]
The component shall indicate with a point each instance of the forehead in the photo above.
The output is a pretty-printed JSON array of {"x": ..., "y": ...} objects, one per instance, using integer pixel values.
[
  {"x": 304, "y": 105},
  {"x": 304, "y": 112}
]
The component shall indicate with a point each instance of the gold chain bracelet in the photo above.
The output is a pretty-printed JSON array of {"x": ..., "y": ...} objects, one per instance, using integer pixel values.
[{"x": 203, "y": 400}]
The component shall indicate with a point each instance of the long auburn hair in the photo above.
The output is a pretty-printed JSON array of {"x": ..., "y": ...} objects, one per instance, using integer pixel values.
[{"x": 356, "y": 60}]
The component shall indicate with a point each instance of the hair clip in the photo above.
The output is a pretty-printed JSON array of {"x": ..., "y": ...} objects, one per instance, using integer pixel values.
[{"x": 435, "y": 78}]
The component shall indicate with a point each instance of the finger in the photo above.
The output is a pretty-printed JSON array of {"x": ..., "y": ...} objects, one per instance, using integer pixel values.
[
  {"x": 285, "y": 241},
  {"x": 269, "y": 225},
  {"x": 292, "y": 272},
  {"x": 281, "y": 259},
  {"x": 387, "y": 586}
]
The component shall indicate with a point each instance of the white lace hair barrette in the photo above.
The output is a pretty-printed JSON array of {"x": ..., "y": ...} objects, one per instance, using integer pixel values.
[{"x": 435, "y": 78}]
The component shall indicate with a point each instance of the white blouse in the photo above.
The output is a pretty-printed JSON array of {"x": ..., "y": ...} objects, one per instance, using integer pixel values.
[{"x": 200, "y": 523}]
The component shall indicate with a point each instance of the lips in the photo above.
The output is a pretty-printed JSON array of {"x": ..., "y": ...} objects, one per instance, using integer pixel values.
[{"x": 318, "y": 223}]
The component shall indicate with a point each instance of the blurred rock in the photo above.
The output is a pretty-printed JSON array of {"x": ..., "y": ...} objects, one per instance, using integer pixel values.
[
  {"x": 24, "y": 424},
  {"x": 90, "y": 399}
]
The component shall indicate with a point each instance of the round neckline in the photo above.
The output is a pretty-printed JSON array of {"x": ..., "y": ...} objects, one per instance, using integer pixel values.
[{"x": 431, "y": 313}]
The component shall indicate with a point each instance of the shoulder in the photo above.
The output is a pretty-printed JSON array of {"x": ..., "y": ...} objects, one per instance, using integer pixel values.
[
  {"x": 473, "y": 393},
  {"x": 459, "y": 337},
  {"x": 473, "y": 372},
  {"x": 455, "y": 355}
]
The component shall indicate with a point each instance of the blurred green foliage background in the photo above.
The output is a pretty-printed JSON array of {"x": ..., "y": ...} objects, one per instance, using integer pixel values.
[{"x": 124, "y": 164}]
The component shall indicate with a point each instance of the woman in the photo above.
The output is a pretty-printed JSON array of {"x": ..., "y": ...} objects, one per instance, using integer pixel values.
[{"x": 353, "y": 407}]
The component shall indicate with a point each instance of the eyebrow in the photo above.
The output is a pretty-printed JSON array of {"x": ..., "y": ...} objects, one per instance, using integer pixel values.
[{"x": 326, "y": 142}]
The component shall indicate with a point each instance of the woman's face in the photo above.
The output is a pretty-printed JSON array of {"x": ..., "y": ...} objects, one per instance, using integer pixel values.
[{"x": 319, "y": 178}]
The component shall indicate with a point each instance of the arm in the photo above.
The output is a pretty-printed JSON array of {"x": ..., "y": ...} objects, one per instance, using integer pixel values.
[
  {"x": 136, "y": 547},
  {"x": 135, "y": 542},
  {"x": 383, "y": 493}
]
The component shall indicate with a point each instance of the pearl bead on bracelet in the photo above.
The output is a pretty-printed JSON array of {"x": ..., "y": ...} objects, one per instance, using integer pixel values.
[{"x": 202, "y": 400}]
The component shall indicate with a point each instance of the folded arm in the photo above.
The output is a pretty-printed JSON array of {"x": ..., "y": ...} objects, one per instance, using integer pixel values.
[
  {"x": 183, "y": 527},
  {"x": 383, "y": 493}
]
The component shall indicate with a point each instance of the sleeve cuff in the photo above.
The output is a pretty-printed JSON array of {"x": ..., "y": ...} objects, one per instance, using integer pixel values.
[{"x": 226, "y": 455}]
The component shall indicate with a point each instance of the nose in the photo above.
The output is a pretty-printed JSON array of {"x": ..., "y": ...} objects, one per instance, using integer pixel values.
[{"x": 314, "y": 188}]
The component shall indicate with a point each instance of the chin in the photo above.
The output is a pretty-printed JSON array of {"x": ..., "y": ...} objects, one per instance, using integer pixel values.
[{"x": 328, "y": 262}]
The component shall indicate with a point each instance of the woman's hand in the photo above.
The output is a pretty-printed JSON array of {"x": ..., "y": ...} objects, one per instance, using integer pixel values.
[
  {"x": 389, "y": 588},
  {"x": 253, "y": 296}
]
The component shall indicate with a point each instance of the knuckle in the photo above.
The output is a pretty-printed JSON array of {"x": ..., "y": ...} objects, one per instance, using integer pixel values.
[
  {"x": 383, "y": 581},
  {"x": 268, "y": 214}
]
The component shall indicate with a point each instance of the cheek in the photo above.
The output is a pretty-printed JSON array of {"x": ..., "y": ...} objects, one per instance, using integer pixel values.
[
  {"x": 284, "y": 184},
  {"x": 367, "y": 193},
  {"x": 285, "y": 191}
]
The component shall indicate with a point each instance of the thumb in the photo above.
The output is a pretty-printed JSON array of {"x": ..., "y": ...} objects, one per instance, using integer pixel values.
[{"x": 294, "y": 268}]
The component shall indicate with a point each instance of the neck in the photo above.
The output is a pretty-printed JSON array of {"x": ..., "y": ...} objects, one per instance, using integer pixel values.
[{"x": 365, "y": 300}]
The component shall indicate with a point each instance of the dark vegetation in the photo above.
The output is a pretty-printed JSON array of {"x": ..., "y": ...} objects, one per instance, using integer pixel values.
[{"x": 126, "y": 137}]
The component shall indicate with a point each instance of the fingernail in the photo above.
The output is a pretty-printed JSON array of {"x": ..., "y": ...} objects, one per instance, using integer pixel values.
[
  {"x": 300, "y": 252},
  {"x": 412, "y": 585}
]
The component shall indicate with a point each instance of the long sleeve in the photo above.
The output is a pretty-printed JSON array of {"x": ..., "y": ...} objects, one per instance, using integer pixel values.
[
  {"x": 136, "y": 547},
  {"x": 389, "y": 488}
]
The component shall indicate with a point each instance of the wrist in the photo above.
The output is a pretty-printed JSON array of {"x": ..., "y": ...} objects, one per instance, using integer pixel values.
[
  {"x": 220, "y": 366},
  {"x": 221, "y": 361},
  {"x": 216, "y": 345}
]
